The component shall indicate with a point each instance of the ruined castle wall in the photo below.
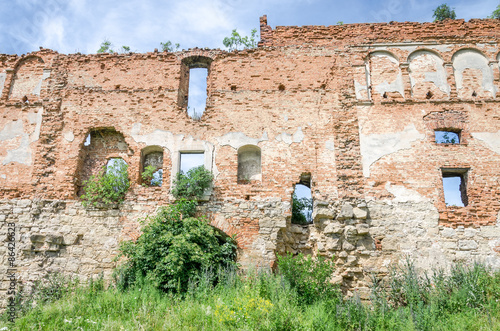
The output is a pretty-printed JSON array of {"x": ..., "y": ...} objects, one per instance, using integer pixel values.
[{"x": 355, "y": 107}]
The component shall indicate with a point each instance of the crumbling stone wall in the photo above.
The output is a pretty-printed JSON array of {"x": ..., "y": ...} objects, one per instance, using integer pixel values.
[{"x": 356, "y": 106}]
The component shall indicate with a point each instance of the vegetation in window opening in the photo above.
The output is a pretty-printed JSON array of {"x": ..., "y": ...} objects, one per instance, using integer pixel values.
[
  {"x": 301, "y": 210},
  {"x": 152, "y": 176},
  {"x": 192, "y": 184},
  {"x": 108, "y": 187}
]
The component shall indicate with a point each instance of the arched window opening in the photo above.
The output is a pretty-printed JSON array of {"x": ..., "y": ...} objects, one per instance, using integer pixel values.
[
  {"x": 152, "y": 166},
  {"x": 249, "y": 164},
  {"x": 193, "y": 90},
  {"x": 302, "y": 202}
]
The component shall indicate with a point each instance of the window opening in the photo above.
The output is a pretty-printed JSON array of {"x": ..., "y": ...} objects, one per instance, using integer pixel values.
[
  {"x": 197, "y": 95},
  {"x": 447, "y": 137},
  {"x": 249, "y": 164},
  {"x": 191, "y": 160},
  {"x": 117, "y": 168},
  {"x": 302, "y": 202},
  {"x": 152, "y": 166},
  {"x": 455, "y": 187}
]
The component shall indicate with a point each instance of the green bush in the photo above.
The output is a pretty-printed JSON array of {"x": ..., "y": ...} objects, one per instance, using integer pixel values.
[
  {"x": 193, "y": 184},
  {"x": 174, "y": 249},
  {"x": 309, "y": 277},
  {"x": 108, "y": 187},
  {"x": 151, "y": 176}
]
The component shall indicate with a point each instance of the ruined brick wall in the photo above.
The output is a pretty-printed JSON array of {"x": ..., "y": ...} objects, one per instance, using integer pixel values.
[{"x": 355, "y": 106}]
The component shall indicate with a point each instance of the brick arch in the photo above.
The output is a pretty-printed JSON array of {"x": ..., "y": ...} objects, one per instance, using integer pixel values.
[
  {"x": 105, "y": 143},
  {"x": 473, "y": 75},
  {"x": 427, "y": 75},
  {"x": 28, "y": 78}
]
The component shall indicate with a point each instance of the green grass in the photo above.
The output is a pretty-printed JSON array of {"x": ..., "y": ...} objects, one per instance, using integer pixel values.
[{"x": 465, "y": 299}]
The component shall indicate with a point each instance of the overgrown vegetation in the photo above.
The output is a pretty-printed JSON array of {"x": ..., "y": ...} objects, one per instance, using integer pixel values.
[
  {"x": 465, "y": 298},
  {"x": 193, "y": 184},
  {"x": 236, "y": 41},
  {"x": 107, "y": 47},
  {"x": 168, "y": 46},
  {"x": 108, "y": 187},
  {"x": 443, "y": 12},
  {"x": 151, "y": 176},
  {"x": 176, "y": 248}
]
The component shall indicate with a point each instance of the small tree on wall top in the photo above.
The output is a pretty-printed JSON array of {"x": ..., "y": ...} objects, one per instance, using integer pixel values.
[{"x": 443, "y": 12}]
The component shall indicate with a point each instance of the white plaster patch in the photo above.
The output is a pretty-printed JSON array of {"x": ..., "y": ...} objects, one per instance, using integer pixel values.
[
  {"x": 3, "y": 176},
  {"x": 359, "y": 89},
  {"x": 329, "y": 145},
  {"x": 375, "y": 146},
  {"x": 38, "y": 88},
  {"x": 238, "y": 139},
  {"x": 21, "y": 154},
  {"x": 490, "y": 139},
  {"x": 69, "y": 136},
  {"x": 38, "y": 120},
  {"x": 403, "y": 194},
  {"x": 3, "y": 75},
  {"x": 288, "y": 138}
]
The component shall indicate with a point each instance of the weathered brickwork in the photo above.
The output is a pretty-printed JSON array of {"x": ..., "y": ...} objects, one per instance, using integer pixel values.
[{"x": 355, "y": 107}]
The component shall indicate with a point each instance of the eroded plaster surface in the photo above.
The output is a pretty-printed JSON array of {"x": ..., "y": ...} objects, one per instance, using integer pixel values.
[
  {"x": 375, "y": 146},
  {"x": 17, "y": 134},
  {"x": 490, "y": 139},
  {"x": 473, "y": 60},
  {"x": 3, "y": 75},
  {"x": 238, "y": 139}
]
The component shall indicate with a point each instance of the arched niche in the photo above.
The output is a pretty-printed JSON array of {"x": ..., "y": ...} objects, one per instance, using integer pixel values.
[
  {"x": 28, "y": 79},
  {"x": 249, "y": 163},
  {"x": 386, "y": 77},
  {"x": 473, "y": 75},
  {"x": 104, "y": 144},
  {"x": 427, "y": 76}
]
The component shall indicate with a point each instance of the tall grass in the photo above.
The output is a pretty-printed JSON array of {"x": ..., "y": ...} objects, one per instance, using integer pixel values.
[{"x": 465, "y": 298}]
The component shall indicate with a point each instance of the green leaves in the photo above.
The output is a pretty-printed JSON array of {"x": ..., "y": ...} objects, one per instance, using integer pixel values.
[
  {"x": 235, "y": 40},
  {"x": 443, "y": 12},
  {"x": 176, "y": 247},
  {"x": 193, "y": 184},
  {"x": 299, "y": 206},
  {"x": 108, "y": 187}
]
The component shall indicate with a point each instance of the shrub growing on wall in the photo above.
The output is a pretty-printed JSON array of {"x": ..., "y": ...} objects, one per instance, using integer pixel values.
[
  {"x": 174, "y": 248},
  {"x": 193, "y": 184},
  {"x": 108, "y": 187}
]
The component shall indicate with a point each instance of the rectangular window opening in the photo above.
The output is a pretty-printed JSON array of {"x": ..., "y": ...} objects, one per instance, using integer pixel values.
[
  {"x": 455, "y": 187},
  {"x": 190, "y": 160},
  {"x": 302, "y": 202},
  {"x": 197, "y": 95},
  {"x": 447, "y": 136}
]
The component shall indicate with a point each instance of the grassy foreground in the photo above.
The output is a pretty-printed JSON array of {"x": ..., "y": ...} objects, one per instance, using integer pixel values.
[{"x": 464, "y": 299}]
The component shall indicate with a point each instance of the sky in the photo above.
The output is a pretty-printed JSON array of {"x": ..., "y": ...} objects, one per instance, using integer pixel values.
[{"x": 70, "y": 26}]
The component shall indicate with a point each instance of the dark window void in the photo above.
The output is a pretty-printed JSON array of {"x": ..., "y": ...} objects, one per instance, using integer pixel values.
[
  {"x": 249, "y": 163},
  {"x": 302, "y": 202},
  {"x": 455, "y": 187},
  {"x": 447, "y": 136},
  {"x": 152, "y": 166},
  {"x": 190, "y": 160},
  {"x": 193, "y": 85}
]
